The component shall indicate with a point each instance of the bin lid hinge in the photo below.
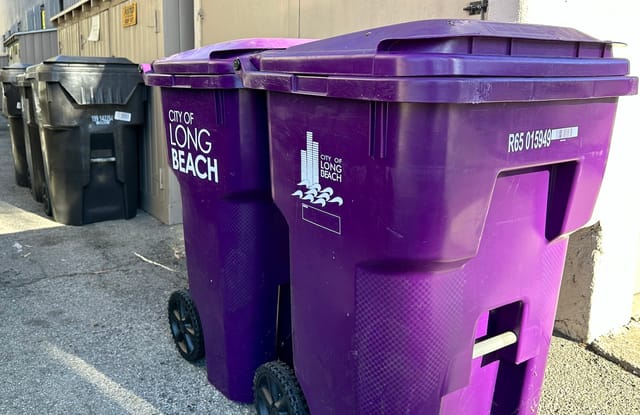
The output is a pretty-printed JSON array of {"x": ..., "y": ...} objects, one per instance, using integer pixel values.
[{"x": 477, "y": 7}]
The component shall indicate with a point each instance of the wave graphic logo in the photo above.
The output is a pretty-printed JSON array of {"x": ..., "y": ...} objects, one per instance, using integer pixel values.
[{"x": 310, "y": 177}]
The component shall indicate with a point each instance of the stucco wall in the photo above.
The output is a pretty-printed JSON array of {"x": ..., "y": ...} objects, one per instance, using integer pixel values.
[{"x": 602, "y": 270}]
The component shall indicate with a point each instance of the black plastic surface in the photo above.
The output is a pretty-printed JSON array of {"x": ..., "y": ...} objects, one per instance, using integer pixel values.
[{"x": 90, "y": 119}]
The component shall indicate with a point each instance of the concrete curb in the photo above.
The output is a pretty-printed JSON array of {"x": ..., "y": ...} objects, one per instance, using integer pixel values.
[{"x": 621, "y": 347}]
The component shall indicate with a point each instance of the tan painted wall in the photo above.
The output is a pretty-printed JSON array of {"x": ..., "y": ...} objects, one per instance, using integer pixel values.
[
  {"x": 224, "y": 20},
  {"x": 69, "y": 39},
  {"x": 158, "y": 186},
  {"x": 139, "y": 43},
  {"x": 101, "y": 47},
  {"x": 321, "y": 18},
  {"x": 220, "y": 20},
  {"x": 142, "y": 42}
]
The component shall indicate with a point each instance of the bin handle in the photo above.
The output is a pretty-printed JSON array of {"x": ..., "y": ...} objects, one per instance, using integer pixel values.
[{"x": 495, "y": 343}]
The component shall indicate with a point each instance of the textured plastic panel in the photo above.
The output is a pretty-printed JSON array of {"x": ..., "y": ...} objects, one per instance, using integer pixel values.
[
  {"x": 451, "y": 48},
  {"x": 90, "y": 118},
  {"x": 33, "y": 149},
  {"x": 447, "y": 213},
  {"x": 218, "y": 58},
  {"x": 235, "y": 238},
  {"x": 12, "y": 109}
]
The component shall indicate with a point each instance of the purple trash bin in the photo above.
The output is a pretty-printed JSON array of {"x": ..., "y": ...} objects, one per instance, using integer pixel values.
[
  {"x": 235, "y": 238},
  {"x": 430, "y": 173}
]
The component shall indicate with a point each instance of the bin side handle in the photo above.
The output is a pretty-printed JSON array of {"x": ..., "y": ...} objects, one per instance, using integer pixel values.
[{"x": 495, "y": 343}]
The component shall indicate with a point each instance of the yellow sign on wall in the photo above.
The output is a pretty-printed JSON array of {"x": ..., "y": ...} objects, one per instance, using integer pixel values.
[{"x": 130, "y": 15}]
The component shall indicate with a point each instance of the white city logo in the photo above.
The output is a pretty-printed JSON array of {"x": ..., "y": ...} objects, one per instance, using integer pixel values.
[{"x": 310, "y": 175}]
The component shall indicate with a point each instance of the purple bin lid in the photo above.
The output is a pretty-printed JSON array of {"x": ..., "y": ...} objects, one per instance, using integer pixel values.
[
  {"x": 452, "y": 48},
  {"x": 461, "y": 61},
  {"x": 215, "y": 59}
]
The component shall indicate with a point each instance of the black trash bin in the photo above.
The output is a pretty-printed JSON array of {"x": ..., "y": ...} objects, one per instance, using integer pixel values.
[
  {"x": 12, "y": 109},
  {"x": 90, "y": 112},
  {"x": 33, "y": 150}
]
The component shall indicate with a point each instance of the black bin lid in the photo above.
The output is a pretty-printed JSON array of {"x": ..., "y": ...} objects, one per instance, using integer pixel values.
[
  {"x": 8, "y": 73},
  {"x": 87, "y": 60},
  {"x": 91, "y": 80}
]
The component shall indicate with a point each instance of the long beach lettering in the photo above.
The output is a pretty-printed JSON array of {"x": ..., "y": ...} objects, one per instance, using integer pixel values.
[
  {"x": 331, "y": 168},
  {"x": 191, "y": 147}
]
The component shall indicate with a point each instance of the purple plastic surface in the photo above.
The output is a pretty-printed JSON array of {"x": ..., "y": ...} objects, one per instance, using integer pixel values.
[
  {"x": 218, "y": 58},
  {"x": 423, "y": 217},
  {"x": 451, "y": 48},
  {"x": 235, "y": 238}
]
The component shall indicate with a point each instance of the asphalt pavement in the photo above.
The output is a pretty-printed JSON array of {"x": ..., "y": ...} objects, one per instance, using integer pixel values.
[{"x": 84, "y": 324}]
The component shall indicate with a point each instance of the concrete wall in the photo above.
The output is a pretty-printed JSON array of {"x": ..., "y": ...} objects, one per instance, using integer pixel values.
[{"x": 602, "y": 270}]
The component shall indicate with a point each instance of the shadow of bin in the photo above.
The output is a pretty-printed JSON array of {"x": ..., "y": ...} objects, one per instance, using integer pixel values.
[
  {"x": 33, "y": 149},
  {"x": 90, "y": 113},
  {"x": 12, "y": 109},
  {"x": 430, "y": 173}
]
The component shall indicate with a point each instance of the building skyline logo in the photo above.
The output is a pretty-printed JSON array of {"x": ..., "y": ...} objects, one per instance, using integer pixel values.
[{"x": 311, "y": 172}]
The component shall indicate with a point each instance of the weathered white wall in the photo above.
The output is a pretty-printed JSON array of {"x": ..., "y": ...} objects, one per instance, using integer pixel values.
[{"x": 602, "y": 271}]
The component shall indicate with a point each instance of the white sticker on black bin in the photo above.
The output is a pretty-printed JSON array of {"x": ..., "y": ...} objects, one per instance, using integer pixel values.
[{"x": 122, "y": 116}]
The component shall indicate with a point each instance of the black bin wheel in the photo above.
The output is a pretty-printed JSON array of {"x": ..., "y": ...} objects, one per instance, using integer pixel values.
[
  {"x": 277, "y": 392},
  {"x": 186, "y": 329}
]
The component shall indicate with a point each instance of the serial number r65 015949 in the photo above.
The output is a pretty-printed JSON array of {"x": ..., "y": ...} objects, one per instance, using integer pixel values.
[{"x": 529, "y": 140}]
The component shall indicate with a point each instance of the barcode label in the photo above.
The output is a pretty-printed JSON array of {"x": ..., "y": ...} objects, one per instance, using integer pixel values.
[
  {"x": 122, "y": 116},
  {"x": 564, "y": 133}
]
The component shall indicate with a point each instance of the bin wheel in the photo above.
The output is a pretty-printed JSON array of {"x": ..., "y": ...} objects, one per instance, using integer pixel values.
[
  {"x": 185, "y": 326},
  {"x": 46, "y": 201},
  {"x": 277, "y": 392}
]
